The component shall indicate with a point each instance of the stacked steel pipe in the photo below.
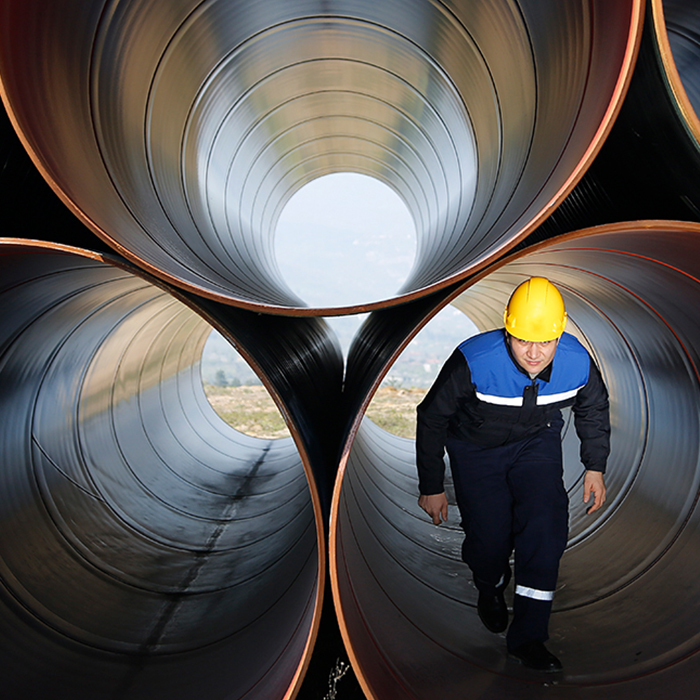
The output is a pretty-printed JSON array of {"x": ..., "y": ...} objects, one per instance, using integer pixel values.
[{"x": 148, "y": 549}]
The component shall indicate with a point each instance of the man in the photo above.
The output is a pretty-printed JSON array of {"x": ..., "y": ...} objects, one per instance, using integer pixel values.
[{"x": 496, "y": 406}]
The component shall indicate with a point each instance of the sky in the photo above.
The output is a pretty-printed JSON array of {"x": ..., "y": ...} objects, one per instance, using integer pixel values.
[{"x": 345, "y": 239}]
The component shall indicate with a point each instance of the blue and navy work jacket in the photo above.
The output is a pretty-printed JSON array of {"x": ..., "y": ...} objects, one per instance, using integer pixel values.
[{"x": 484, "y": 397}]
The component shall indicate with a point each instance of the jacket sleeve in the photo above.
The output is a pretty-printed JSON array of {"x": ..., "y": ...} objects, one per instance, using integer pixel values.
[
  {"x": 592, "y": 421},
  {"x": 434, "y": 413}
]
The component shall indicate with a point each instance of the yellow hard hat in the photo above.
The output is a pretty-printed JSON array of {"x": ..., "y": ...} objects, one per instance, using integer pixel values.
[{"x": 535, "y": 311}]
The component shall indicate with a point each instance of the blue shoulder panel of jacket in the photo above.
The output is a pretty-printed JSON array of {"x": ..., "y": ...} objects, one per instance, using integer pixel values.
[{"x": 498, "y": 380}]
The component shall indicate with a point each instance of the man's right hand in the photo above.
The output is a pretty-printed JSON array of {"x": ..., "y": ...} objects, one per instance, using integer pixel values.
[{"x": 435, "y": 506}]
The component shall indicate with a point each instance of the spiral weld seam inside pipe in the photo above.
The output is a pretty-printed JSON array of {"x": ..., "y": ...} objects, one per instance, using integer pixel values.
[
  {"x": 624, "y": 620},
  {"x": 148, "y": 548},
  {"x": 178, "y": 132}
]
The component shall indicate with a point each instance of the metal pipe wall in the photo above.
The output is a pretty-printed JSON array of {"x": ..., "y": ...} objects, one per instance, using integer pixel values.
[
  {"x": 146, "y": 548},
  {"x": 135, "y": 561},
  {"x": 178, "y": 131},
  {"x": 648, "y": 167},
  {"x": 625, "y": 615}
]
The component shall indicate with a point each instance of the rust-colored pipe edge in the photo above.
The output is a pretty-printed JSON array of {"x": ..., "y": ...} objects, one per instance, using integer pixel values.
[
  {"x": 649, "y": 166},
  {"x": 678, "y": 16}
]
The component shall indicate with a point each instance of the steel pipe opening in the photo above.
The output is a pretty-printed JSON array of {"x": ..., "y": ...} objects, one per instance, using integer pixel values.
[
  {"x": 147, "y": 549},
  {"x": 649, "y": 167},
  {"x": 178, "y": 131},
  {"x": 625, "y": 620}
]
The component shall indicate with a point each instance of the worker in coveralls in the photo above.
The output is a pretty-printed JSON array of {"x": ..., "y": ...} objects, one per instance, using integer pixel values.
[{"x": 495, "y": 407}]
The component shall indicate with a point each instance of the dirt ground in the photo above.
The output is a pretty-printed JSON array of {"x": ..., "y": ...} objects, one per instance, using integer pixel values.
[{"x": 251, "y": 410}]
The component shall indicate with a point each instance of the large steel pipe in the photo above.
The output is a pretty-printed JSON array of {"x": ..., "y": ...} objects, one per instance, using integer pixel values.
[
  {"x": 678, "y": 27},
  {"x": 178, "y": 131},
  {"x": 626, "y": 617},
  {"x": 147, "y": 549},
  {"x": 649, "y": 167}
]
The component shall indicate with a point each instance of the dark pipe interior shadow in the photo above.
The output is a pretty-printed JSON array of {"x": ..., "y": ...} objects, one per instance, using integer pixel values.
[
  {"x": 30, "y": 208},
  {"x": 147, "y": 548},
  {"x": 624, "y": 619}
]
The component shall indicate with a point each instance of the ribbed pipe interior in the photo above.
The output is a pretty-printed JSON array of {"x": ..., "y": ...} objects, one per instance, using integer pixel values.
[
  {"x": 178, "y": 131},
  {"x": 625, "y": 615},
  {"x": 147, "y": 549}
]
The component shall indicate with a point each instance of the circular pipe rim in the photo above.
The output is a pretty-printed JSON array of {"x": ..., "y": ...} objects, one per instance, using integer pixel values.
[
  {"x": 335, "y": 547},
  {"x": 670, "y": 68},
  {"x": 613, "y": 106},
  {"x": 11, "y": 246}
]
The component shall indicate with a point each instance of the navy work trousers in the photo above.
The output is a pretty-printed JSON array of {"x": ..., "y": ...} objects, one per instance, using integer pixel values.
[{"x": 512, "y": 497}]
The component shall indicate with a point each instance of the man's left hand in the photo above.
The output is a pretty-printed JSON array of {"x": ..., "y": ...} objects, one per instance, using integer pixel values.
[{"x": 593, "y": 483}]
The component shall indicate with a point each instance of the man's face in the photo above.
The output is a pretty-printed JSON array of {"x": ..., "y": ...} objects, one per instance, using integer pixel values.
[{"x": 532, "y": 357}]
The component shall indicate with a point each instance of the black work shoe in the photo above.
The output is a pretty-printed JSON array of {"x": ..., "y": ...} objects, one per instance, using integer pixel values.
[
  {"x": 535, "y": 655},
  {"x": 493, "y": 611}
]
